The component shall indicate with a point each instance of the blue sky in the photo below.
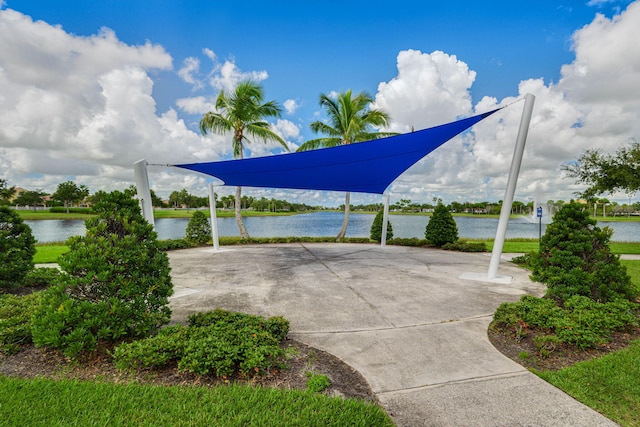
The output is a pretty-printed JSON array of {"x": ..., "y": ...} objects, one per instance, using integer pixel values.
[{"x": 160, "y": 64}]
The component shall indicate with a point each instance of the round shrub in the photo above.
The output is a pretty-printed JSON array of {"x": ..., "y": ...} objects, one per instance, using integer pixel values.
[
  {"x": 219, "y": 343},
  {"x": 575, "y": 259},
  {"x": 441, "y": 228},
  {"x": 17, "y": 248},
  {"x": 115, "y": 282},
  {"x": 376, "y": 228},
  {"x": 198, "y": 229}
]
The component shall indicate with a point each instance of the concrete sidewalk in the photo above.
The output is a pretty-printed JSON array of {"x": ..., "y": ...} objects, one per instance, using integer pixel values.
[{"x": 401, "y": 316}]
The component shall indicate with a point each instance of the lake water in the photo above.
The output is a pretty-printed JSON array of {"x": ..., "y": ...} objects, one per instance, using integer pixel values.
[{"x": 319, "y": 224}]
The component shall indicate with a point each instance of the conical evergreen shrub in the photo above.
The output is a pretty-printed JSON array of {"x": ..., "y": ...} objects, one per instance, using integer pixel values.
[
  {"x": 376, "y": 228},
  {"x": 441, "y": 228},
  {"x": 198, "y": 230},
  {"x": 575, "y": 259}
]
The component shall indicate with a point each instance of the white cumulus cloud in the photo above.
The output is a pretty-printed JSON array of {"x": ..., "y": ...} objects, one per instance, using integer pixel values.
[
  {"x": 82, "y": 107},
  {"x": 595, "y": 104}
]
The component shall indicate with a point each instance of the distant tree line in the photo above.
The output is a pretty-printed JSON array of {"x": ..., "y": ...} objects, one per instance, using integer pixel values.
[{"x": 69, "y": 194}]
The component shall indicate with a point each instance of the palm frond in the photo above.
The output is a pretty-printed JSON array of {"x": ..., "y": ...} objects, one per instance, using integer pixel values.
[
  {"x": 262, "y": 130},
  {"x": 214, "y": 122},
  {"x": 315, "y": 144}
]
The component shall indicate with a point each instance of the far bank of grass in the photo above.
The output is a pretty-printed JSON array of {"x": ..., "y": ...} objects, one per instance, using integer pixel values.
[
  {"x": 42, "y": 402},
  {"x": 532, "y": 245}
]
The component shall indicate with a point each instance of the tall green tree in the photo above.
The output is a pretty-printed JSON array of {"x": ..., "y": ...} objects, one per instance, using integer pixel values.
[
  {"x": 69, "y": 193},
  {"x": 606, "y": 173},
  {"x": 350, "y": 120},
  {"x": 31, "y": 198},
  {"x": 6, "y": 193},
  {"x": 179, "y": 198},
  {"x": 157, "y": 201},
  {"x": 243, "y": 113}
]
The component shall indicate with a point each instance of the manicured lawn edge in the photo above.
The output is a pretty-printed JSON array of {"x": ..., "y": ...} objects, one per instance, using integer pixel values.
[
  {"x": 43, "y": 402},
  {"x": 608, "y": 384}
]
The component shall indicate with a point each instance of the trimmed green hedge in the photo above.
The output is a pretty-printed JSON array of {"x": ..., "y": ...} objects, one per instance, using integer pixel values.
[{"x": 61, "y": 209}]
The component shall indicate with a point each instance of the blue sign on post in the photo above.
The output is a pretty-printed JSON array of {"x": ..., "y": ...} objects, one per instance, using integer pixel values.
[{"x": 539, "y": 210}]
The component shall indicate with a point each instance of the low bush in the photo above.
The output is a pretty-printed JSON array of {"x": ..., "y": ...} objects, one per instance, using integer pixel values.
[
  {"x": 234, "y": 240},
  {"x": 462, "y": 246},
  {"x": 522, "y": 260},
  {"x": 581, "y": 322},
  {"x": 410, "y": 241},
  {"x": 173, "y": 244},
  {"x": 588, "y": 323},
  {"x": 219, "y": 343},
  {"x": 61, "y": 209},
  {"x": 15, "y": 321},
  {"x": 278, "y": 326},
  {"x": 42, "y": 277},
  {"x": 317, "y": 383}
]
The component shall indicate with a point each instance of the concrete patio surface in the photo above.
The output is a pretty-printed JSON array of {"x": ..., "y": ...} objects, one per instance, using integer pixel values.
[{"x": 401, "y": 316}]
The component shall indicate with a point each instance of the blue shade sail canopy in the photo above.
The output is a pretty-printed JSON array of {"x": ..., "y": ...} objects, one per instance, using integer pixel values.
[{"x": 365, "y": 167}]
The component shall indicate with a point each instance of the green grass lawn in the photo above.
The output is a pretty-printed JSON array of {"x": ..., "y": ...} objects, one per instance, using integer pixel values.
[
  {"x": 532, "y": 245},
  {"x": 610, "y": 384},
  {"x": 41, "y": 402},
  {"x": 49, "y": 253}
]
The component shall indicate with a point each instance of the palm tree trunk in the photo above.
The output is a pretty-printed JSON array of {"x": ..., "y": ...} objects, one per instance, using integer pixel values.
[
  {"x": 241, "y": 227},
  {"x": 345, "y": 222}
]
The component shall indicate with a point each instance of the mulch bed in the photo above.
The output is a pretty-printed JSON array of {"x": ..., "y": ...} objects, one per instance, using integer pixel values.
[
  {"x": 524, "y": 351},
  {"x": 34, "y": 362}
]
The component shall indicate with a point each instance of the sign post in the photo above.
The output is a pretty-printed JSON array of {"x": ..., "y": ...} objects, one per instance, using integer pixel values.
[{"x": 539, "y": 213}]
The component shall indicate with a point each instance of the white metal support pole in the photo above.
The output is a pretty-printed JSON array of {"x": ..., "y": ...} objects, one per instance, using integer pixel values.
[
  {"x": 511, "y": 185},
  {"x": 385, "y": 218},
  {"x": 214, "y": 217},
  {"x": 144, "y": 193}
]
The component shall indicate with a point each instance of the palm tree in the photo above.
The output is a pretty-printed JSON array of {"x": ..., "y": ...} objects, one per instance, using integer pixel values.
[
  {"x": 242, "y": 112},
  {"x": 350, "y": 121}
]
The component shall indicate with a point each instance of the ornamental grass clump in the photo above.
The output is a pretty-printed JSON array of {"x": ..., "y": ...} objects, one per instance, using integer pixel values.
[{"x": 114, "y": 285}]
